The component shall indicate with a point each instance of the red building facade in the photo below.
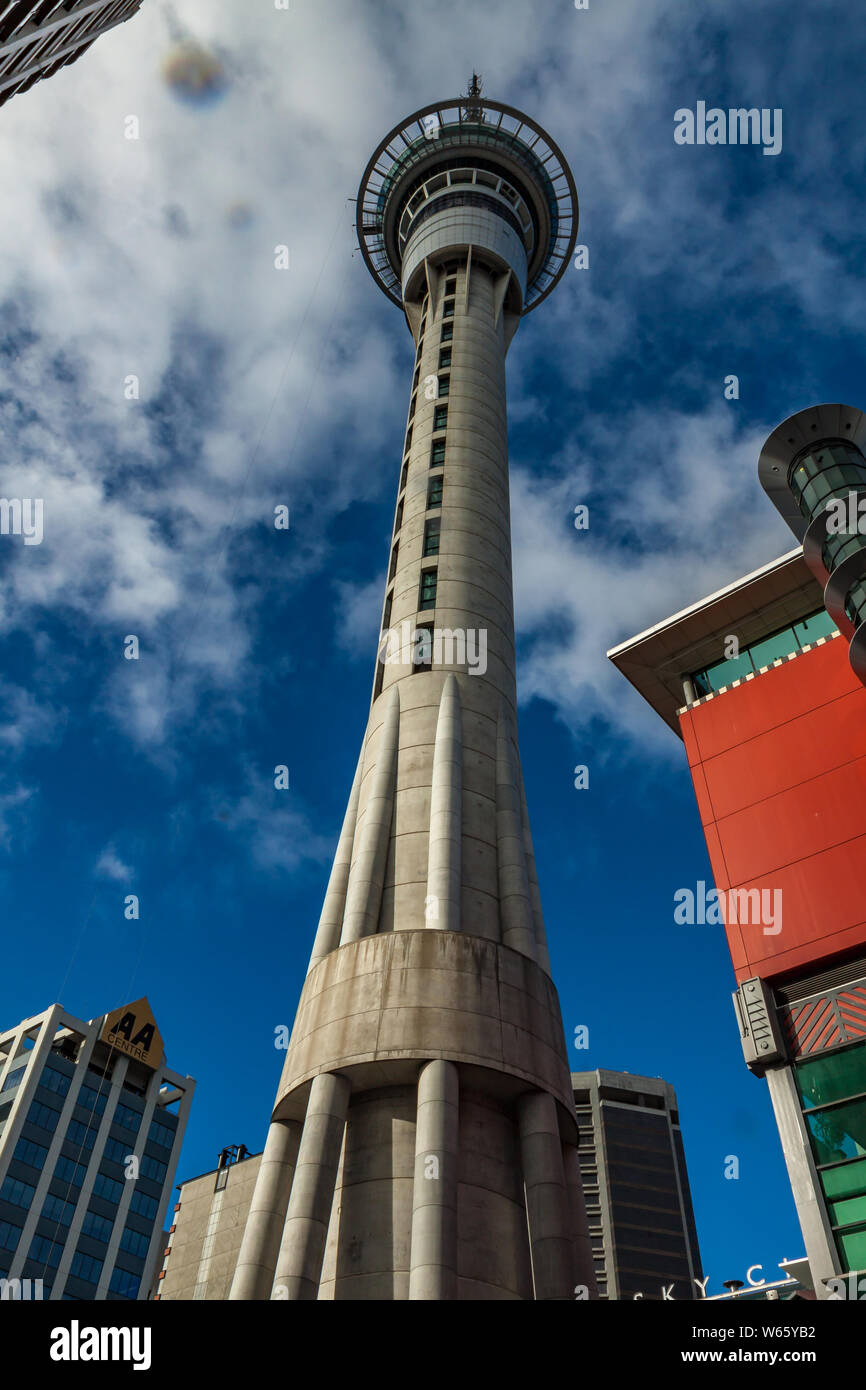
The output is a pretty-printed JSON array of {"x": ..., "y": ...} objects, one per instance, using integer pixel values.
[{"x": 759, "y": 683}]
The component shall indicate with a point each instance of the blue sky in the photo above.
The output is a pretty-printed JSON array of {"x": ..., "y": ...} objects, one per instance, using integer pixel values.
[{"x": 154, "y": 257}]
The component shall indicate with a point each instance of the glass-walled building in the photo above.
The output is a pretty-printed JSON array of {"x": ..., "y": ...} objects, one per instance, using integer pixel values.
[
  {"x": 91, "y": 1124},
  {"x": 39, "y": 37},
  {"x": 638, "y": 1201}
]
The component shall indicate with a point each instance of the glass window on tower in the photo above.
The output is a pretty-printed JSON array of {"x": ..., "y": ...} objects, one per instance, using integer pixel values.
[
  {"x": 833, "y": 1096},
  {"x": 447, "y": 333},
  {"x": 427, "y": 595}
]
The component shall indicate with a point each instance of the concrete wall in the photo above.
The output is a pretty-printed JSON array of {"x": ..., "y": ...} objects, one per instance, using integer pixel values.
[{"x": 206, "y": 1234}]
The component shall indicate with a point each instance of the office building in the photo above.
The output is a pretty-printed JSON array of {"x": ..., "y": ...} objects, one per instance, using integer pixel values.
[
  {"x": 208, "y": 1222},
  {"x": 91, "y": 1124},
  {"x": 763, "y": 682},
  {"x": 423, "y": 1143},
  {"x": 638, "y": 1202},
  {"x": 38, "y": 37}
]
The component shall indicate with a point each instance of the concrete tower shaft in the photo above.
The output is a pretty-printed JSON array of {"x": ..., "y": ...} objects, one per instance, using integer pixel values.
[{"x": 423, "y": 1140}]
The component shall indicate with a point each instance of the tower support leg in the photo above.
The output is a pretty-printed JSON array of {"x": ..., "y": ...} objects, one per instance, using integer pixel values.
[
  {"x": 433, "y": 1260},
  {"x": 257, "y": 1258},
  {"x": 547, "y": 1206},
  {"x": 299, "y": 1266}
]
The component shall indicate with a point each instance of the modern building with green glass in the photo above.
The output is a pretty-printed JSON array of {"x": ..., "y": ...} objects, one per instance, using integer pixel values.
[
  {"x": 91, "y": 1124},
  {"x": 764, "y": 683}
]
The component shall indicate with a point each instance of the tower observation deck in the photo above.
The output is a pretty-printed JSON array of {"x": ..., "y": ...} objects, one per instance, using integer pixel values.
[{"x": 423, "y": 1140}]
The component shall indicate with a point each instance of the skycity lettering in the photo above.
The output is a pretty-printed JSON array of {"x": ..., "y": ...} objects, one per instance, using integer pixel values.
[
  {"x": 736, "y": 126},
  {"x": 667, "y": 1295},
  {"x": 76, "y": 1343}
]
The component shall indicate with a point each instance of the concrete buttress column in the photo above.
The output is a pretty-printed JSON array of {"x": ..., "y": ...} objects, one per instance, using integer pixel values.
[
  {"x": 446, "y": 814},
  {"x": 433, "y": 1267},
  {"x": 367, "y": 874},
  {"x": 515, "y": 903},
  {"x": 547, "y": 1206},
  {"x": 257, "y": 1258},
  {"x": 542, "y": 955},
  {"x": 331, "y": 920},
  {"x": 299, "y": 1265},
  {"x": 585, "y": 1265}
]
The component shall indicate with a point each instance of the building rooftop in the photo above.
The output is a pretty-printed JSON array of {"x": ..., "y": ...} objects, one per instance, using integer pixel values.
[{"x": 752, "y": 608}]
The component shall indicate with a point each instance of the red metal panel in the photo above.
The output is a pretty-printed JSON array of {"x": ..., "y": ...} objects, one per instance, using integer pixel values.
[
  {"x": 705, "y": 805},
  {"x": 812, "y": 679},
  {"x": 791, "y": 753},
  {"x": 779, "y": 769},
  {"x": 797, "y": 824}
]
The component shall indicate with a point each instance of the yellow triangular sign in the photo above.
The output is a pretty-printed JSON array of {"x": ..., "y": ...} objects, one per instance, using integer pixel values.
[{"x": 133, "y": 1031}]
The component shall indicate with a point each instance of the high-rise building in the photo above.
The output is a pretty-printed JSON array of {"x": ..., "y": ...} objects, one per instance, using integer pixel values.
[
  {"x": 38, "y": 37},
  {"x": 423, "y": 1141},
  {"x": 208, "y": 1222},
  {"x": 638, "y": 1201},
  {"x": 762, "y": 686},
  {"x": 91, "y": 1124}
]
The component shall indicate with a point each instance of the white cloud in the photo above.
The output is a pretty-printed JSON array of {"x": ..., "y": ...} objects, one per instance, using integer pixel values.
[
  {"x": 123, "y": 257},
  {"x": 110, "y": 865}
]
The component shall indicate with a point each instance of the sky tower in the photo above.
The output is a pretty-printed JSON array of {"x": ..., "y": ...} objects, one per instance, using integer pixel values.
[{"x": 423, "y": 1140}]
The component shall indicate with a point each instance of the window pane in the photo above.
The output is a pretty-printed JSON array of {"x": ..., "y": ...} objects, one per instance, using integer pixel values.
[
  {"x": 428, "y": 589},
  {"x": 46, "y": 1252},
  {"x": 845, "y": 1181},
  {"x": 782, "y": 644},
  {"x": 853, "y": 1246},
  {"x": 725, "y": 672},
  {"x": 838, "y": 1133},
  {"x": 843, "y": 1213},
  {"x": 20, "y": 1194},
  {"x": 833, "y": 1078},
  {"x": 9, "y": 1235}
]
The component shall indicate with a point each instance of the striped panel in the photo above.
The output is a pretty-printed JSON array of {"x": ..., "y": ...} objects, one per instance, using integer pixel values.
[
  {"x": 852, "y": 1010},
  {"x": 826, "y": 1021}
]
